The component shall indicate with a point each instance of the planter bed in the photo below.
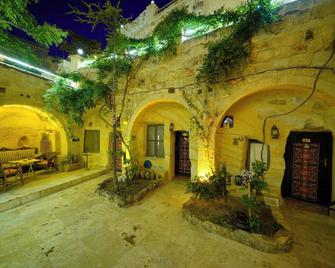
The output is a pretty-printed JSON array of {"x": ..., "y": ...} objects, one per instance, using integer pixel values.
[
  {"x": 128, "y": 193},
  {"x": 72, "y": 166},
  {"x": 221, "y": 216}
]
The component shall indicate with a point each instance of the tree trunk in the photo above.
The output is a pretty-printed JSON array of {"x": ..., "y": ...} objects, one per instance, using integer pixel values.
[
  {"x": 249, "y": 197},
  {"x": 114, "y": 174}
]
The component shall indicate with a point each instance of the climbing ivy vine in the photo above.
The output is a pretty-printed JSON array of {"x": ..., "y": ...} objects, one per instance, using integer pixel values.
[
  {"x": 232, "y": 50},
  {"x": 201, "y": 119},
  {"x": 121, "y": 55},
  {"x": 225, "y": 54}
]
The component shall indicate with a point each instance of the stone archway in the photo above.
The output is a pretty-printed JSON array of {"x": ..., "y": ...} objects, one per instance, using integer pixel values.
[
  {"x": 231, "y": 144},
  {"x": 172, "y": 117},
  {"x": 23, "y": 125}
]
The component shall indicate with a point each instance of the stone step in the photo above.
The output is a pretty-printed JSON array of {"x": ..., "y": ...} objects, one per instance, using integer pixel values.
[{"x": 36, "y": 190}]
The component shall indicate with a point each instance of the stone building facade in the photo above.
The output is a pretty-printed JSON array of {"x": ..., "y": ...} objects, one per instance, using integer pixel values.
[{"x": 279, "y": 76}]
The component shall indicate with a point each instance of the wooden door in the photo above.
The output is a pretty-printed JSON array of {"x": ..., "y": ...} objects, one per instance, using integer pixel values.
[
  {"x": 182, "y": 156},
  {"x": 308, "y": 173}
]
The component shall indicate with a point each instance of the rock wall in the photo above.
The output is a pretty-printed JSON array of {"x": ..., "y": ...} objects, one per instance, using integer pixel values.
[
  {"x": 278, "y": 76},
  {"x": 146, "y": 22},
  {"x": 23, "y": 116}
]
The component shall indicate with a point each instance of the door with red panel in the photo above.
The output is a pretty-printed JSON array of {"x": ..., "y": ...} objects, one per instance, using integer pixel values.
[
  {"x": 308, "y": 173},
  {"x": 182, "y": 156}
]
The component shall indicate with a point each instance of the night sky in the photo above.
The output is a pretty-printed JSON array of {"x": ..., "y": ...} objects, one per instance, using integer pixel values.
[{"x": 54, "y": 12}]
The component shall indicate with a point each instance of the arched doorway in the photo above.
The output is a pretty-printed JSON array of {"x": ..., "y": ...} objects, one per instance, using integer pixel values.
[
  {"x": 26, "y": 126},
  {"x": 160, "y": 134},
  {"x": 233, "y": 139},
  {"x": 308, "y": 158}
]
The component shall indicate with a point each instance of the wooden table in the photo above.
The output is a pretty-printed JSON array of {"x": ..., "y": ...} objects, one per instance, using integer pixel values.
[{"x": 25, "y": 162}]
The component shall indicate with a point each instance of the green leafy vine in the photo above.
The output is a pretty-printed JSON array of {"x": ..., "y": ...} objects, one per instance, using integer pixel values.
[{"x": 225, "y": 54}]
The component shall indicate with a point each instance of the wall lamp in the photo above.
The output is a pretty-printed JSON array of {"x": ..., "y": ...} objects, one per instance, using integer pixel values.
[{"x": 274, "y": 132}]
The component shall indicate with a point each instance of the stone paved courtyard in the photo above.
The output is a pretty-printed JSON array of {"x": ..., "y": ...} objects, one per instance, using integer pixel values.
[{"x": 77, "y": 228}]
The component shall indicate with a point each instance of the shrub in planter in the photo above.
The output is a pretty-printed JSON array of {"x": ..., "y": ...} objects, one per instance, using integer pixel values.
[
  {"x": 132, "y": 169},
  {"x": 201, "y": 189},
  {"x": 71, "y": 162},
  {"x": 213, "y": 186}
]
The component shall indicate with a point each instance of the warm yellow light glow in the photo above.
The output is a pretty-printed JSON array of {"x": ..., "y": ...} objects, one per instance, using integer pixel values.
[
  {"x": 202, "y": 173},
  {"x": 204, "y": 168},
  {"x": 42, "y": 114},
  {"x": 48, "y": 123},
  {"x": 203, "y": 178}
]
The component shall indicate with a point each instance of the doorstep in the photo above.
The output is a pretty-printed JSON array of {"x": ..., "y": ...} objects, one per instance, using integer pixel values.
[{"x": 53, "y": 183}]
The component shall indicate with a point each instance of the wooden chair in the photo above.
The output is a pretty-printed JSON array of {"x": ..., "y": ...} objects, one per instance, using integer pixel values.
[
  {"x": 48, "y": 161},
  {"x": 3, "y": 178},
  {"x": 10, "y": 171}
]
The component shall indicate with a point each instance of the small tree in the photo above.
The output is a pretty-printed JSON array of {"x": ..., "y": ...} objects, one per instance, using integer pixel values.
[
  {"x": 111, "y": 63},
  {"x": 14, "y": 14},
  {"x": 254, "y": 180}
]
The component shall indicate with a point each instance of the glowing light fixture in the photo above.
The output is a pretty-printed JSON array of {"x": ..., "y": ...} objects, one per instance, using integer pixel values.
[
  {"x": 26, "y": 67},
  {"x": 80, "y": 51}
]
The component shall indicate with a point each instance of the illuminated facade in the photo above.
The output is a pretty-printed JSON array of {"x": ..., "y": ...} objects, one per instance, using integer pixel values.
[{"x": 278, "y": 77}]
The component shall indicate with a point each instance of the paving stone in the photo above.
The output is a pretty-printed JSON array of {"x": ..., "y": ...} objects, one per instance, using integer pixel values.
[{"x": 78, "y": 228}]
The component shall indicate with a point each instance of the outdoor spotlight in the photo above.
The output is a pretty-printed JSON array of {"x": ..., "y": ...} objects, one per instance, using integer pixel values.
[
  {"x": 274, "y": 132},
  {"x": 80, "y": 51},
  {"x": 152, "y": 2}
]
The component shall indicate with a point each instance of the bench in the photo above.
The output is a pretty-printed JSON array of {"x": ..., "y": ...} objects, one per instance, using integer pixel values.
[{"x": 7, "y": 155}]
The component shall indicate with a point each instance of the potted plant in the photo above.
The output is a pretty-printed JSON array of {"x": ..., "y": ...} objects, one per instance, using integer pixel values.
[{"x": 71, "y": 162}]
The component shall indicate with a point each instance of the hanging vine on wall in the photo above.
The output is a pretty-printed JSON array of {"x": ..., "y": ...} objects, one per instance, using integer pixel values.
[
  {"x": 199, "y": 126},
  {"x": 231, "y": 51},
  {"x": 224, "y": 55}
]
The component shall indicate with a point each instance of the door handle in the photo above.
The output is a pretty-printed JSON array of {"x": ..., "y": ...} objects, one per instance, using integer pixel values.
[{"x": 324, "y": 162}]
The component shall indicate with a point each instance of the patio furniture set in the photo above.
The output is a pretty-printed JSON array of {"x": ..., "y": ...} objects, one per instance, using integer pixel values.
[{"x": 15, "y": 163}]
